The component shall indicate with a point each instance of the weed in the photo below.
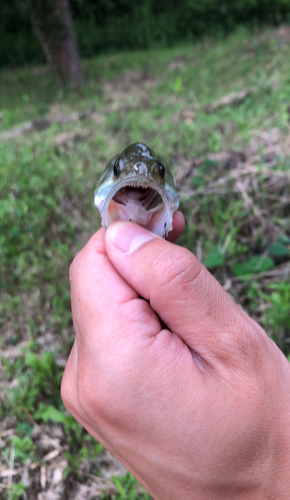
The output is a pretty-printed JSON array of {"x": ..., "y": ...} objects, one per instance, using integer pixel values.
[
  {"x": 17, "y": 491},
  {"x": 128, "y": 489},
  {"x": 277, "y": 313}
]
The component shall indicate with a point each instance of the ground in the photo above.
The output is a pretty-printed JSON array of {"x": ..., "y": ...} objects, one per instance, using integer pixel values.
[{"x": 219, "y": 112}]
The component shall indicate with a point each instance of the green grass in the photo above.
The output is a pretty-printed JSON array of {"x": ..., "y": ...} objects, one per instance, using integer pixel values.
[{"x": 237, "y": 221}]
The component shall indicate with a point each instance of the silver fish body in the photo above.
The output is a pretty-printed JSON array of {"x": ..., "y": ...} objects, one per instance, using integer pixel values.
[{"x": 138, "y": 186}]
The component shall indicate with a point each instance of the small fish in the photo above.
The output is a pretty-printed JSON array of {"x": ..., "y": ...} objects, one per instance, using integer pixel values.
[{"x": 137, "y": 186}]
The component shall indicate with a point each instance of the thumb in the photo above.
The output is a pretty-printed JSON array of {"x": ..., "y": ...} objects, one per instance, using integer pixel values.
[{"x": 181, "y": 291}]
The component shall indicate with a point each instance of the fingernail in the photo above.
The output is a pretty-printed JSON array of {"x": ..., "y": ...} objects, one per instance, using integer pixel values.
[{"x": 128, "y": 237}]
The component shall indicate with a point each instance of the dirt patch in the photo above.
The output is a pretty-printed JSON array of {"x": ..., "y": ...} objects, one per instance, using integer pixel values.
[
  {"x": 283, "y": 33},
  {"x": 178, "y": 63},
  {"x": 233, "y": 99}
]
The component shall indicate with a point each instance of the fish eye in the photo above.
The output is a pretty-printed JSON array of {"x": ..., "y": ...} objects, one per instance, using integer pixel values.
[
  {"x": 116, "y": 169},
  {"x": 161, "y": 170}
]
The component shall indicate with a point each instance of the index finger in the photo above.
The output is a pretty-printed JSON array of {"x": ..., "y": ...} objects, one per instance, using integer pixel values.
[{"x": 105, "y": 307}]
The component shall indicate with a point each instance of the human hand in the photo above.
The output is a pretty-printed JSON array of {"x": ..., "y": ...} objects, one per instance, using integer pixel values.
[{"x": 200, "y": 410}]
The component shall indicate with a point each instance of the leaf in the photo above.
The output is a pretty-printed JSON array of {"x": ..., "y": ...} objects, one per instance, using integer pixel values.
[
  {"x": 284, "y": 239},
  {"x": 177, "y": 85},
  {"x": 257, "y": 264},
  {"x": 207, "y": 164},
  {"x": 280, "y": 247},
  {"x": 198, "y": 181},
  {"x": 277, "y": 249},
  {"x": 24, "y": 429},
  {"x": 119, "y": 487},
  {"x": 33, "y": 361},
  {"x": 215, "y": 257},
  {"x": 50, "y": 413}
]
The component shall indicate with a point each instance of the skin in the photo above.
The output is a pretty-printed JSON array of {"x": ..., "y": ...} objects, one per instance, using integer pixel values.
[{"x": 196, "y": 411}]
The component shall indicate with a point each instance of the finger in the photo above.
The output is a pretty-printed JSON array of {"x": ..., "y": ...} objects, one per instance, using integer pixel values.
[
  {"x": 102, "y": 301},
  {"x": 180, "y": 290},
  {"x": 178, "y": 224}
]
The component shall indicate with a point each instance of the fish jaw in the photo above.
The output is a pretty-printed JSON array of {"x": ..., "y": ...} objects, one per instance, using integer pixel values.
[{"x": 157, "y": 219}]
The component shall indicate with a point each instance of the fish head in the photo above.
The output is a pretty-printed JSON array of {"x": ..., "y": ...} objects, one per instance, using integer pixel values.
[{"x": 138, "y": 186}]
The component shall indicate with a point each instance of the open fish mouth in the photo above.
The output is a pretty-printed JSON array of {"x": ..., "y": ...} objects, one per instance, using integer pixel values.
[
  {"x": 137, "y": 186},
  {"x": 144, "y": 203}
]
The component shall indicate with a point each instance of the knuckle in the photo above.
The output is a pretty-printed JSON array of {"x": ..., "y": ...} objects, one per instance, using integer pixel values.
[
  {"x": 178, "y": 269},
  {"x": 98, "y": 397},
  {"x": 88, "y": 393},
  {"x": 75, "y": 265},
  {"x": 67, "y": 392},
  {"x": 106, "y": 392}
]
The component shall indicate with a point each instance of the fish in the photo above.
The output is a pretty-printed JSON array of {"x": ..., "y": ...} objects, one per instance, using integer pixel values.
[{"x": 137, "y": 186}]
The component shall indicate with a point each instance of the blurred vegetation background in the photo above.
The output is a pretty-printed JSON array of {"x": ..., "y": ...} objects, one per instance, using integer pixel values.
[
  {"x": 109, "y": 25},
  {"x": 206, "y": 84}
]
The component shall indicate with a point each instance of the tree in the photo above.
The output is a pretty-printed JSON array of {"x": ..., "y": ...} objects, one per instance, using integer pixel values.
[{"x": 52, "y": 22}]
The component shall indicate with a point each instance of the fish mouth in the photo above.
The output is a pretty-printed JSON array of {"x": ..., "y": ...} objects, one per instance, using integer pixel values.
[
  {"x": 138, "y": 196},
  {"x": 142, "y": 202}
]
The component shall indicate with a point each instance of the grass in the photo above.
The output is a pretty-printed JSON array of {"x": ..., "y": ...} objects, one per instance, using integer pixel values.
[{"x": 232, "y": 170}]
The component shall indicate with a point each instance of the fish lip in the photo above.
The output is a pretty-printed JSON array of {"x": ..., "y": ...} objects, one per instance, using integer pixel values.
[{"x": 144, "y": 182}]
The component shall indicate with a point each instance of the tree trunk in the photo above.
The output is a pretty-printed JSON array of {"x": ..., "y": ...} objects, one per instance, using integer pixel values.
[{"x": 52, "y": 22}]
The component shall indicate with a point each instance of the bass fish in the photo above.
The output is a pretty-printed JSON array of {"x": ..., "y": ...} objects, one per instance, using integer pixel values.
[{"x": 137, "y": 186}]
